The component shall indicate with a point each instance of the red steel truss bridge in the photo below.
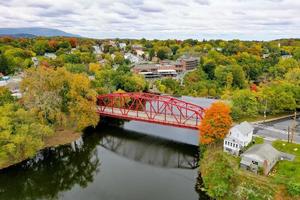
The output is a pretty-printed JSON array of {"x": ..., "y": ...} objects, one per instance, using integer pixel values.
[{"x": 150, "y": 108}]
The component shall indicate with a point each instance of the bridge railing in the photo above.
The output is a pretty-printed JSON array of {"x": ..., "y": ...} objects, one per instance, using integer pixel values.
[{"x": 150, "y": 106}]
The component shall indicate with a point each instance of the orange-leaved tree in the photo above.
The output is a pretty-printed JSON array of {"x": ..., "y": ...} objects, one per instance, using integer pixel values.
[{"x": 216, "y": 123}]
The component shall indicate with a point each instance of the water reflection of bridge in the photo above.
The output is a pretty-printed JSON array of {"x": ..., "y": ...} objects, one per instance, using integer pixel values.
[{"x": 152, "y": 151}]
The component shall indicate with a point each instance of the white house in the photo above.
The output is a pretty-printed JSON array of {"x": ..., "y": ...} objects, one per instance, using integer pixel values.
[
  {"x": 238, "y": 137},
  {"x": 139, "y": 52},
  {"x": 122, "y": 45},
  {"x": 35, "y": 61},
  {"x": 286, "y": 57},
  {"x": 133, "y": 58},
  {"x": 97, "y": 49},
  {"x": 50, "y": 55}
]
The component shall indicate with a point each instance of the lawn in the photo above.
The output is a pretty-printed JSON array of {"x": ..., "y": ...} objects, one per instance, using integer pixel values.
[{"x": 288, "y": 172}]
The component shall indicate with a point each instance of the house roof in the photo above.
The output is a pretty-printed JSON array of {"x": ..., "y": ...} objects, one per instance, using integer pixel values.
[
  {"x": 244, "y": 128},
  {"x": 262, "y": 152}
]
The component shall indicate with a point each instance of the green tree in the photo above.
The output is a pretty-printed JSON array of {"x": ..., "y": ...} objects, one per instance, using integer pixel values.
[
  {"x": 283, "y": 67},
  {"x": 238, "y": 81},
  {"x": 5, "y": 96},
  {"x": 163, "y": 52},
  {"x": 209, "y": 68},
  {"x": 244, "y": 104},
  {"x": 296, "y": 53},
  {"x": 293, "y": 76},
  {"x": 252, "y": 65},
  {"x": 40, "y": 47},
  {"x": 119, "y": 58},
  {"x": 76, "y": 68},
  {"x": 21, "y": 134},
  {"x": 278, "y": 97}
]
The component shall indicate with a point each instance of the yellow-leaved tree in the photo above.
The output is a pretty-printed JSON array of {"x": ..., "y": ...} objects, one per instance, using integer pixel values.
[{"x": 60, "y": 98}]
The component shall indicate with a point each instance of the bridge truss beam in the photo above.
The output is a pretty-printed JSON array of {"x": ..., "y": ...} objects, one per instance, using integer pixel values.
[{"x": 151, "y": 108}]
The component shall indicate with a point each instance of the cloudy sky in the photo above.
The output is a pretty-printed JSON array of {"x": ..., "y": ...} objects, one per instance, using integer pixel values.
[{"x": 209, "y": 19}]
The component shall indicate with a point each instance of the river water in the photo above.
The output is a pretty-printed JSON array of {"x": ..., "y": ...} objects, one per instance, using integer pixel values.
[
  {"x": 132, "y": 161},
  {"x": 110, "y": 163}
]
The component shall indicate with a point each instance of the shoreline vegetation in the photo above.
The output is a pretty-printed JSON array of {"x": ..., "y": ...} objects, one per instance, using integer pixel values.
[
  {"x": 223, "y": 179},
  {"x": 61, "y": 137},
  {"x": 67, "y": 136}
]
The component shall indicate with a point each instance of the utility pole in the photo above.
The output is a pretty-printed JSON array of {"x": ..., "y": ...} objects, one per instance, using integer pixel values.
[
  {"x": 288, "y": 134},
  {"x": 265, "y": 111},
  {"x": 293, "y": 129}
]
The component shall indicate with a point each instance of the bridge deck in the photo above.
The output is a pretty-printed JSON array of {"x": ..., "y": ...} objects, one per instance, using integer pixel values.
[{"x": 168, "y": 119}]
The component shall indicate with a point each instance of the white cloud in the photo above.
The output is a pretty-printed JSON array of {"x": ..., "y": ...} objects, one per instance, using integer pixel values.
[{"x": 244, "y": 19}]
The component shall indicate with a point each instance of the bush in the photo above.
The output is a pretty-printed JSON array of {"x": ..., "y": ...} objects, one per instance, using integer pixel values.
[
  {"x": 293, "y": 188},
  {"x": 217, "y": 175},
  {"x": 5, "y": 96}
]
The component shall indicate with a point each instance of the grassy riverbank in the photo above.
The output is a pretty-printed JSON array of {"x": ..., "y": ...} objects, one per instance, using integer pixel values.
[
  {"x": 59, "y": 138},
  {"x": 261, "y": 118},
  {"x": 223, "y": 179}
]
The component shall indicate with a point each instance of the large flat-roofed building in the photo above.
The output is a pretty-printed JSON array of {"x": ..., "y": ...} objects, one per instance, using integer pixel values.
[
  {"x": 145, "y": 67},
  {"x": 189, "y": 63},
  {"x": 176, "y": 65},
  {"x": 153, "y": 70}
]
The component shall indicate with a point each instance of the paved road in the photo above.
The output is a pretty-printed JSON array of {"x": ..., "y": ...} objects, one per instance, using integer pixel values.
[{"x": 277, "y": 130}]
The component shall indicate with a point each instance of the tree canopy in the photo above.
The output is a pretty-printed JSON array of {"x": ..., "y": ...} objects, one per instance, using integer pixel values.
[{"x": 215, "y": 124}]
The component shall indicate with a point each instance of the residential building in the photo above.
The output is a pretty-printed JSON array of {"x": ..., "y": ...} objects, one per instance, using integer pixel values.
[
  {"x": 262, "y": 156},
  {"x": 50, "y": 55},
  {"x": 133, "y": 58},
  {"x": 137, "y": 47},
  {"x": 238, "y": 137},
  {"x": 97, "y": 49},
  {"x": 139, "y": 52},
  {"x": 35, "y": 61},
  {"x": 112, "y": 43},
  {"x": 286, "y": 56},
  {"x": 122, "y": 45},
  {"x": 266, "y": 55}
]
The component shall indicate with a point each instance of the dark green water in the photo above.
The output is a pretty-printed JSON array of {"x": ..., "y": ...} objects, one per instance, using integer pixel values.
[{"x": 110, "y": 164}]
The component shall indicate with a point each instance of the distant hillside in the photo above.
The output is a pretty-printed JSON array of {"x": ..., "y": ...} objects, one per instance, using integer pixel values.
[
  {"x": 21, "y": 35},
  {"x": 35, "y": 31}
]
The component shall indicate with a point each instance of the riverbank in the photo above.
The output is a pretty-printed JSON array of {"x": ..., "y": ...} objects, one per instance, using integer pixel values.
[
  {"x": 62, "y": 137},
  {"x": 269, "y": 118},
  {"x": 223, "y": 179}
]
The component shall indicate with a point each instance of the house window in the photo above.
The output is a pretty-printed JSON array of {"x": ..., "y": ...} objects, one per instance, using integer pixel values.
[{"x": 225, "y": 142}]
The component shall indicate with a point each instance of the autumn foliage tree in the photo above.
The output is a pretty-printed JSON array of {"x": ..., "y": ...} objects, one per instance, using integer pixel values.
[
  {"x": 60, "y": 98},
  {"x": 215, "y": 124},
  {"x": 73, "y": 42}
]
